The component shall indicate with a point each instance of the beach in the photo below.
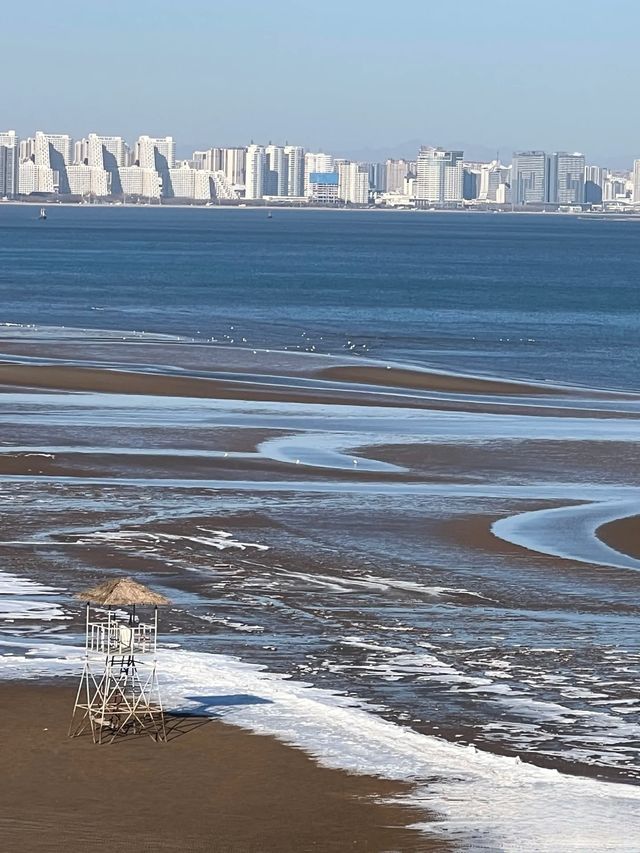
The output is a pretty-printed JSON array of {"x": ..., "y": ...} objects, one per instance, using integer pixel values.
[
  {"x": 211, "y": 787},
  {"x": 402, "y": 567}
]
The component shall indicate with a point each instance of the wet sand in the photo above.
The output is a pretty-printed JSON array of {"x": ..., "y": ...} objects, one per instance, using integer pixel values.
[
  {"x": 343, "y": 590},
  {"x": 211, "y": 787},
  {"x": 622, "y": 535},
  {"x": 394, "y": 389},
  {"x": 428, "y": 380}
]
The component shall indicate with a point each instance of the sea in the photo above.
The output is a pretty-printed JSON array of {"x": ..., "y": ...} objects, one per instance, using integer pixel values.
[
  {"x": 413, "y": 585},
  {"x": 538, "y": 296}
]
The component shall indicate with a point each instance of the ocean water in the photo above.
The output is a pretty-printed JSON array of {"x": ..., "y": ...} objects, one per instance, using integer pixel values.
[
  {"x": 418, "y": 592},
  {"x": 539, "y": 296}
]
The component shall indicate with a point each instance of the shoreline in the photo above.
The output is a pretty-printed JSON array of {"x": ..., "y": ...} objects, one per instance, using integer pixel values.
[
  {"x": 247, "y": 791},
  {"x": 242, "y": 205},
  {"x": 78, "y": 513}
]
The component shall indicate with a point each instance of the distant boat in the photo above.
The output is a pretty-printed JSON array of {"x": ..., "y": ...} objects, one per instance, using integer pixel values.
[
  {"x": 43, "y": 213},
  {"x": 269, "y": 215}
]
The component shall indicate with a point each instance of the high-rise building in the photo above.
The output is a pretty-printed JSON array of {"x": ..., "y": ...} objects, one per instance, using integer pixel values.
[
  {"x": 230, "y": 161},
  {"x": 295, "y": 170},
  {"x": 471, "y": 181},
  {"x": 276, "y": 175},
  {"x": 86, "y": 180},
  {"x": 594, "y": 178},
  {"x": 616, "y": 186},
  {"x": 136, "y": 181},
  {"x": 105, "y": 156},
  {"x": 440, "y": 176},
  {"x": 106, "y": 152},
  {"x": 566, "y": 178},
  {"x": 378, "y": 177},
  {"x": 53, "y": 151},
  {"x": 80, "y": 152},
  {"x": 9, "y": 163},
  {"x": 316, "y": 163},
  {"x": 36, "y": 179},
  {"x": 27, "y": 149},
  {"x": 353, "y": 183},
  {"x": 529, "y": 177},
  {"x": 492, "y": 176},
  {"x": 234, "y": 166},
  {"x": 636, "y": 181},
  {"x": 255, "y": 170},
  {"x": 396, "y": 172},
  {"x": 211, "y": 159},
  {"x": 157, "y": 153}
]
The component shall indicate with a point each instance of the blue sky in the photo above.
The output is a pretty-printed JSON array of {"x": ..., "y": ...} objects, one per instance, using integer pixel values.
[{"x": 344, "y": 76}]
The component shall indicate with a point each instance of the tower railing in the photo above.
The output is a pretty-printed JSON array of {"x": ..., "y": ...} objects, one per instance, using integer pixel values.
[{"x": 112, "y": 636}]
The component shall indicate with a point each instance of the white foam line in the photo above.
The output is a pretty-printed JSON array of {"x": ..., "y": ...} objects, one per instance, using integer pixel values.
[
  {"x": 570, "y": 532},
  {"x": 325, "y": 450},
  {"x": 14, "y": 609},
  {"x": 502, "y": 803}
]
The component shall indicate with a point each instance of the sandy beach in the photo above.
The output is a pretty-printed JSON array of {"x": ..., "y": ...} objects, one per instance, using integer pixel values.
[{"x": 212, "y": 787}]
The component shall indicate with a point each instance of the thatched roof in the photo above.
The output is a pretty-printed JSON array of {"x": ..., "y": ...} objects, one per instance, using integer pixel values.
[{"x": 122, "y": 591}]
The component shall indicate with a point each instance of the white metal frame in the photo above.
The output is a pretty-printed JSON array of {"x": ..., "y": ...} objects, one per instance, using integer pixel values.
[{"x": 118, "y": 690}]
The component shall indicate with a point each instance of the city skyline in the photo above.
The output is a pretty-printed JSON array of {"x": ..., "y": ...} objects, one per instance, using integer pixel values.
[
  {"x": 500, "y": 79},
  {"x": 107, "y": 167}
]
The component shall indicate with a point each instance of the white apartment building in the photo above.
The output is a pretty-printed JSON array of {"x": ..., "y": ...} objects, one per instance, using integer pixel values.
[
  {"x": 395, "y": 173},
  {"x": 27, "y": 148},
  {"x": 636, "y": 181},
  {"x": 493, "y": 175},
  {"x": 136, "y": 181},
  {"x": 52, "y": 147},
  {"x": 9, "y": 164},
  {"x": 53, "y": 151},
  {"x": 230, "y": 161},
  {"x": 255, "y": 171},
  {"x": 110, "y": 153},
  {"x": 157, "y": 153},
  {"x": 295, "y": 170},
  {"x": 181, "y": 183},
  {"x": 80, "y": 151},
  {"x": 353, "y": 183},
  {"x": 211, "y": 159},
  {"x": 275, "y": 180},
  {"x": 87, "y": 180},
  {"x": 316, "y": 163},
  {"x": 106, "y": 152},
  {"x": 440, "y": 176},
  {"x": 36, "y": 179},
  {"x": 234, "y": 166}
]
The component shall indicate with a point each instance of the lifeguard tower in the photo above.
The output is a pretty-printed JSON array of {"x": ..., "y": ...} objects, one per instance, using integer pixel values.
[{"x": 118, "y": 692}]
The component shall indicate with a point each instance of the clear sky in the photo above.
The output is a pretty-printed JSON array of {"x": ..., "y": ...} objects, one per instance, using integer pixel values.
[{"x": 343, "y": 75}]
